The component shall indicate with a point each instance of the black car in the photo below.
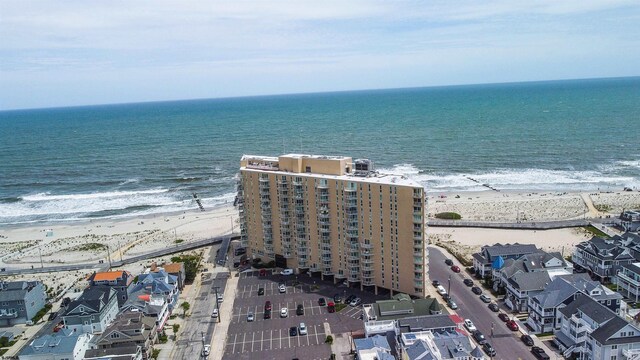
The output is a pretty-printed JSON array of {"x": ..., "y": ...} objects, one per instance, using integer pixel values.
[
  {"x": 300, "y": 310},
  {"x": 322, "y": 302},
  {"x": 476, "y": 290},
  {"x": 479, "y": 337},
  {"x": 260, "y": 291},
  {"x": 489, "y": 349},
  {"x": 267, "y": 314},
  {"x": 527, "y": 340},
  {"x": 293, "y": 331},
  {"x": 349, "y": 299},
  {"x": 539, "y": 353},
  {"x": 468, "y": 282},
  {"x": 504, "y": 317},
  {"x": 494, "y": 307},
  {"x": 337, "y": 298},
  {"x": 448, "y": 262},
  {"x": 435, "y": 283}
]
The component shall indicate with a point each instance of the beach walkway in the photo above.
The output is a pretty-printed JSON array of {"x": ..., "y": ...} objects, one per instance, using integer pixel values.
[
  {"x": 593, "y": 212},
  {"x": 537, "y": 225}
]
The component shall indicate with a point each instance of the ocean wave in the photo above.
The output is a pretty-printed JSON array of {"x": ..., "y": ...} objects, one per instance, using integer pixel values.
[
  {"x": 109, "y": 194},
  {"x": 402, "y": 169},
  {"x": 130, "y": 181}
]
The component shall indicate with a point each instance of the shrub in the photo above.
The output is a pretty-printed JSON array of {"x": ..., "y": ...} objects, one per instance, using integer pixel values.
[
  {"x": 329, "y": 340},
  {"x": 41, "y": 313},
  {"x": 176, "y": 327},
  {"x": 448, "y": 216},
  {"x": 155, "y": 353}
]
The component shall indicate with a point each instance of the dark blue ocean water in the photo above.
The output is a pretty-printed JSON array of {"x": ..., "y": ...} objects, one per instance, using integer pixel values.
[{"x": 122, "y": 160}]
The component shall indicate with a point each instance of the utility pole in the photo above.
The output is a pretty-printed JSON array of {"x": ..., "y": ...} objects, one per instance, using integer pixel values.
[
  {"x": 40, "y": 252},
  {"x": 109, "y": 256}
]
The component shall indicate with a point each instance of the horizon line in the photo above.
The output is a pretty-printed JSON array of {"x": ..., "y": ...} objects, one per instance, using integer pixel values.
[{"x": 315, "y": 93}]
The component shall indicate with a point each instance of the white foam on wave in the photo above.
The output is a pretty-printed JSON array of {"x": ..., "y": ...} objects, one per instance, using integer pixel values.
[
  {"x": 110, "y": 194},
  {"x": 129, "y": 181},
  {"x": 401, "y": 169}
]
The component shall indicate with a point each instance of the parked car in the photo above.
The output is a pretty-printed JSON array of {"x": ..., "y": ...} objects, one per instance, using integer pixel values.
[
  {"x": 539, "y": 353},
  {"x": 267, "y": 314},
  {"x": 267, "y": 305},
  {"x": 448, "y": 262},
  {"x": 293, "y": 331},
  {"x": 527, "y": 340},
  {"x": 250, "y": 317},
  {"x": 300, "y": 310},
  {"x": 441, "y": 290},
  {"x": 355, "y": 302},
  {"x": 489, "y": 349},
  {"x": 337, "y": 298},
  {"x": 286, "y": 272},
  {"x": 452, "y": 304},
  {"x": 512, "y": 325},
  {"x": 476, "y": 290},
  {"x": 349, "y": 299},
  {"x": 468, "y": 282},
  {"x": 58, "y": 327},
  {"x": 331, "y": 307},
  {"x": 322, "y": 302},
  {"x": 485, "y": 298},
  {"x": 479, "y": 337},
  {"x": 220, "y": 297},
  {"x": 262, "y": 272},
  {"x": 504, "y": 317},
  {"x": 446, "y": 297},
  {"x": 435, "y": 283},
  {"x": 284, "y": 312},
  {"x": 302, "y": 329},
  {"x": 455, "y": 268},
  {"x": 469, "y": 325},
  {"x": 494, "y": 307},
  {"x": 206, "y": 350},
  {"x": 282, "y": 288},
  {"x": 214, "y": 314},
  {"x": 260, "y": 291}
]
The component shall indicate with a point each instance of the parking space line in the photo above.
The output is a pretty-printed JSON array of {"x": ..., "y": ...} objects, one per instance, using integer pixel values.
[
  {"x": 253, "y": 337},
  {"x": 261, "y": 339},
  {"x": 315, "y": 331},
  {"x": 270, "y": 339},
  {"x": 280, "y": 337},
  {"x": 244, "y": 336},
  {"x": 234, "y": 344}
]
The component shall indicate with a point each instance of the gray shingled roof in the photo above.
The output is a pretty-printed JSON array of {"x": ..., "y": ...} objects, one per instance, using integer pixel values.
[
  {"x": 418, "y": 348},
  {"x": 604, "y": 332},
  {"x": 615, "y": 249},
  {"x": 590, "y": 308},
  {"x": 509, "y": 249},
  {"x": 530, "y": 281},
  {"x": 62, "y": 342},
  {"x": 93, "y": 299},
  {"x": 428, "y": 322},
  {"x": 15, "y": 290}
]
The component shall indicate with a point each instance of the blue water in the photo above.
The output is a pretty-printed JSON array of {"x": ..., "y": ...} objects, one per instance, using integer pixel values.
[{"x": 132, "y": 159}]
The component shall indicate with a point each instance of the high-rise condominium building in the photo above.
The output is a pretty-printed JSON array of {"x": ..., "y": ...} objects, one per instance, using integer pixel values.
[{"x": 336, "y": 217}]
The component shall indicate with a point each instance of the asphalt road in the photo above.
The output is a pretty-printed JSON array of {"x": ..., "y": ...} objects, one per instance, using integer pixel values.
[
  {"x": 200, "y": 324},
  {"x": 506, "y": 342}
]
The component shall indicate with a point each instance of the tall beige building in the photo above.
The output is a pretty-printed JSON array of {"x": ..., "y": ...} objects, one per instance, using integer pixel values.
[{"x": 337, "y": 217}]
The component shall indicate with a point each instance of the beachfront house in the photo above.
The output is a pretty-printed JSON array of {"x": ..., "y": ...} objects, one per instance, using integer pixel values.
[
  {"x": 590, "y": 330},
  {"x": 20, "y": 301},
  {"x": 628, "y": 281},
  {"x": 93, "y": 311},
  {"x": 174, "y": 269},
  {"x": 375, "y": 347},
  {"x": 65, "y": 344},
  {"x": 489, "y": 256},
  {"x": 131, "y": 334},
  {"x": 155, "y": 295},
  {"x": 629, "y": 220},
  {"x": 543, "y": 308},
  {"x": 602, "y": 258},
  {"x": 118, "y": 280}
]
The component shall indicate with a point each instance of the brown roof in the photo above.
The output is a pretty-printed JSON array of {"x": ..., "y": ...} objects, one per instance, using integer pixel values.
[
  {"x": 173, "y": 267},
  {"x": 108, "y": 275}
]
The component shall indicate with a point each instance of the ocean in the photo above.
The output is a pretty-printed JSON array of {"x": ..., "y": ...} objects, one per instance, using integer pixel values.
[{"x": 79, "y": 163}]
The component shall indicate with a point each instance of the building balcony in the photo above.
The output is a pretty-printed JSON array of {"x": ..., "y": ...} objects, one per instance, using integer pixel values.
[
  {"x": 303, "y": 264},
  {"x": 418, "y": 260},
  {"x": 367, "y": 259},
  {"x": 628, "y": 279},
  {"x": 631, "y": 353},
  {"x": 367, "y": 281},
  {"x": 299, "y": 211},
  {"x": 327, "y": 271},
  {"x": 366, "y": 246},
  {"x": 324, "y": 216},
  {"x": 325, "y": 223},
  {"x": 352, "y": 211},
  {"x": 417, "y": 237},
  {"x": 325, "y": 251},
  {"x": 287, "y": 255},
  {"x": 353, "y": 258},
  {"x": 417, "y": 219},
  {"x": 340, "y": 275},
  {"x": 302, "y": 251},
  {"x": 354, "y": 277},
  {"x": 366, "y": 266}
]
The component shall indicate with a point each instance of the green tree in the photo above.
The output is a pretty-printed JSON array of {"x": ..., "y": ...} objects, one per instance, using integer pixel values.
[{"x": 185, "y": 307}]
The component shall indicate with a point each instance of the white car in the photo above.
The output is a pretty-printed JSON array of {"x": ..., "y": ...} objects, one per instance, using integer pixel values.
[
  {"x": 206, "y": 350},
  {"x": 469, "y": 325},
  {"x": 215, "y": 313},
  {"x": 302, "y": 329},
  {"x": 282, "y": 288},
  {"x": 250, "y": 317},
  {"x": 286, "y": 272},
  {"x": 220, "y": 297},
  {"x": 440, "y": 289},
  {"x": 284, "y": 312}
]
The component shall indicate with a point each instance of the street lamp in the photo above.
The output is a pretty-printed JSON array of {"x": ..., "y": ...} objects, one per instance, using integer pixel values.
[{"x": 449, "y": 290}]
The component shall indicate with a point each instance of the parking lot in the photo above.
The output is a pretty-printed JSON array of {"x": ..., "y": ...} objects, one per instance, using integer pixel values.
[{"x": 270, "y": 338}]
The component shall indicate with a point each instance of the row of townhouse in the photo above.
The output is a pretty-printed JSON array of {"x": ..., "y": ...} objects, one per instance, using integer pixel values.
[
  {"x": 114, "y": 317},
  {"x": 603, "y": 258}
]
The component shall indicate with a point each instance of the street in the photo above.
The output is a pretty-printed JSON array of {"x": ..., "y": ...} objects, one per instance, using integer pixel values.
[{"x": 506, "y": 342}]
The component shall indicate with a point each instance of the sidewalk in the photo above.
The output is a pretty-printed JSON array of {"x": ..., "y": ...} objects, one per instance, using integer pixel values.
[{"x": 219, "y": 338}]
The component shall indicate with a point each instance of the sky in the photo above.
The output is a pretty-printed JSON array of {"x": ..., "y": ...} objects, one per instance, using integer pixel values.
[{"x": 67, "y": 53}]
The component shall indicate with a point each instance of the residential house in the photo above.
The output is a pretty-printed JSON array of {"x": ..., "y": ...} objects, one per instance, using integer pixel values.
[
  {"x": 63, "y": 345},
  {"x": 121, "y": 353},
  {"x": 527, "y": 275},
  {"x": 428, "y": 345},
  {"x": 484, "y": 260},
  {"x": 118, "y": 280},
  {"x": 373, "y": 348},
  {"x": 380, "y": 316},
  {"x": 628, "y": 281},
  {"x": 155, "y": 294},
  {"x": 20, "y": 301},
  {"x": 602, "y": 258},
  {"x": 630, "y": 220},
  {"x": 593, "y": 331},
  {"x": 175, "y": 269},
  {"x": 543, "y": 308},
  {"x": 93, "y": 311},
  {"x": 433, "y": 323},
  {"x": 130, "y": 330}
]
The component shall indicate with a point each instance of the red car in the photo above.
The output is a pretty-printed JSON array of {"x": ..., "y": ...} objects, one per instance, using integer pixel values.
[
  {"x": 455, "y": 268},
  {"x": 263, "y": 272},
  {"x": 512, "y": 325},
  {"x": 331, "y": 307},
  {"x": 58, "y": 327},
  {"x": 267, "y": 306}
]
